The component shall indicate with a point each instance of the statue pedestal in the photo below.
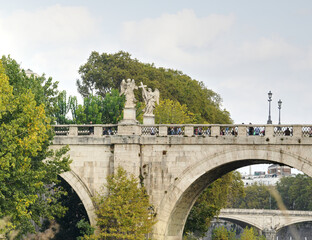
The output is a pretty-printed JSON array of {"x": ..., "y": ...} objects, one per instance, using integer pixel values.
[
  {"x": 129, "y": 116},
  {"x": 129, "y": 125},
  {"x": 148, "y": 119}
]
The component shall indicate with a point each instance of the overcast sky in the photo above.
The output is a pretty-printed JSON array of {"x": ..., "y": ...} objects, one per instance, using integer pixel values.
[{"x": 240, "y": 49}]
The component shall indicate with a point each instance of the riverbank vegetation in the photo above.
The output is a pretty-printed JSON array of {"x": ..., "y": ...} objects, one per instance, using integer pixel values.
[
  {"x": 295, "y": 194},
  {"x": 28, "y": 168}
]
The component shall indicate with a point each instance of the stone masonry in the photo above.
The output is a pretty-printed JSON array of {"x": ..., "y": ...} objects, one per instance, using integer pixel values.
[{"x": 175, "y": 168}]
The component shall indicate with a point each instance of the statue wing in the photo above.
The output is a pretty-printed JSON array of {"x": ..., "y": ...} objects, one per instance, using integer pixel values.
[
  {"x": 156, "y": 92},
  {"x": 122, "y": 87},
  {"x": 133, "y": 84}
]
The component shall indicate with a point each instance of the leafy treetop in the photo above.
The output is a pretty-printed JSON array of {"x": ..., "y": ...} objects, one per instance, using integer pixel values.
[
  {"x": 25, "y": 134},
  {"x": 124, "y": 212},
  {"x": 104, "y": 72}
]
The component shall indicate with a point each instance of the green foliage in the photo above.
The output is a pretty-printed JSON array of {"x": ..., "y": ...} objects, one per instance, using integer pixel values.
[
  {"x": 104, "y": 72},
  {"x": 63, "y": 108},
  {"x": 257, "y": 196},
  {"x": 172, "y": 112},
  {"x": 85, "y": 228},
  {"x": 27, "y": 190},
  {"x": 251, "y": 234},
  {"x": 112, "y": 107},
  {"x": 90, "y": 111},
  {"x": 44, "y": 90},
  {"x": 221, "y": 233},
  {"x": 99, "y": 110},
  {"x": 212, "y": 200},
  {"x": 125, "y": 212},
  {"x": 296, "y": 192}
]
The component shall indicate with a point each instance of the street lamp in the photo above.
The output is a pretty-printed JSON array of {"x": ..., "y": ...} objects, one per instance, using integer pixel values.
[
  {"x": 270, "y": 100},
  {"x": 279, "y": 110}
]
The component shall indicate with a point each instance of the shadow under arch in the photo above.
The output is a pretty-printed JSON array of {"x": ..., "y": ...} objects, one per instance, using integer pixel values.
[
  {"x": 83, "y": 193},
  {"x": 176, "y": 205},
  {"x": 243, "y": 224}
]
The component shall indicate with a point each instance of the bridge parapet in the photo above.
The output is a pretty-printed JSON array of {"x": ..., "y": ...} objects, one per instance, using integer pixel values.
[
  {"x": 253, "y": 212},
  {"x": 269, "y": 222},
  {"x": 189, "y": 130}
]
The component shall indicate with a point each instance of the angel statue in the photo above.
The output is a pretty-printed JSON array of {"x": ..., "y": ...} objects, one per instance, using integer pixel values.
[
  {"x": 150, "y": 98},
  {"x": 127, "y": 89}
]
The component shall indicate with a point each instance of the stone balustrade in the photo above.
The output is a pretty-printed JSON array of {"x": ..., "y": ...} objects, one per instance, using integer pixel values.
[{"x": 188, "y": 130}]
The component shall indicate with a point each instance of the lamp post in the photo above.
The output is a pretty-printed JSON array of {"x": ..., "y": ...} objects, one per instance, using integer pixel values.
[
  {"x": 279, "y": 110},
  {"x": 270, "y": 100}
]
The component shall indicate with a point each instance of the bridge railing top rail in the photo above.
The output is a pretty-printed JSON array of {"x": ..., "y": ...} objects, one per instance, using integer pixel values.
[
  {"x": 209, "y": 130},
  {"x": 265, "y": 211}
]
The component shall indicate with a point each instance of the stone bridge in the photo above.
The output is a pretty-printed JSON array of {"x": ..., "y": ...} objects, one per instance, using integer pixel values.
[
  {"x": 177, "y": 162},
  {"x": 268, "y": 222}
]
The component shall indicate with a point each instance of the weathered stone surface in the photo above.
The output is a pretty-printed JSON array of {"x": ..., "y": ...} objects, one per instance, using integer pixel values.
[
  {"x": 177, "y": 168},
  {"x": 269, "y": 222},
  {"x": 148, "y": 119}
]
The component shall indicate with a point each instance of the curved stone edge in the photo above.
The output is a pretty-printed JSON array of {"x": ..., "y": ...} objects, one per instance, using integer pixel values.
[
  {"x": 169, "y": 203},
  {"x": 83, "y": 192}
]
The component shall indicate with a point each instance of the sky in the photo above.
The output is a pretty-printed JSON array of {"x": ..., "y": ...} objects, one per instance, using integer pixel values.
[{"x": 240, "y": 49}]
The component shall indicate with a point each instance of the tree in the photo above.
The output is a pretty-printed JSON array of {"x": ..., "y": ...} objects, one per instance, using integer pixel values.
[
  {"x": 124, "y": 212},
  {"x": 90, "y": 111},
  {"x": 256, "y": 196},
  {"x": 64, "y": 107},
  {"x": 172, "y": 112},
  {"x": 251, "y": 234},
  {"x": 221, "y": 233},
  {"x": 97, "y": 109},
  {"x": 211, "y": 201},
  {"x": 27, "y": 189},
  {"x": 112, "y": 107},
  {"x": 296, "y": 192},
  {"x": 44, "y": 90},
  {"x": 104, "y": 72}
]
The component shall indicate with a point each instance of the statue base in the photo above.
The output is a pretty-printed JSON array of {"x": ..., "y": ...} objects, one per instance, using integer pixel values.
[
  {"x": 148, "y": 119},
  {"x": 129, "y": 116},
  {"x": 129, "y": 125}
]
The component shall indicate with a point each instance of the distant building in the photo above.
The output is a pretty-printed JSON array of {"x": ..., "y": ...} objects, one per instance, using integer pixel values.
[
  {"x": 278, "y": 170},
  {"x": 30, "y": 73},
  {"x": 275, "y": 173},
  {"x": 267, "y": 180}
]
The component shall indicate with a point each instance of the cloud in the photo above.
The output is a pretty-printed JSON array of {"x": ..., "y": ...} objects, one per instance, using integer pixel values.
[
  {"x": 176, "y": 35},
  {"x": 213, "y": 41},
  {"x": 54, "y": 40},
  {"x": 53, "y": 25},
  {"x": 305, "y": 61},
  {"x": 267, "y": 49}
]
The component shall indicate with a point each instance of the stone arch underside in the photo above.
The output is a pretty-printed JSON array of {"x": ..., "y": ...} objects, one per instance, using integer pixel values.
[
  {"x": 242, "y": 222},
  {"x": 176, "y": 205},
  {"x": 83, "y": 192},
  {"x": 293, "y": 222}
]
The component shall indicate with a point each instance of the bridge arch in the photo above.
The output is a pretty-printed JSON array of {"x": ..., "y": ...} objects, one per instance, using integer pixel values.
[
  {"x": 241, "y": 222},
  {"x": 292, "y": 223},
  {"x": 177, "y": 203},
  {"x": 83, "y": 192}
]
